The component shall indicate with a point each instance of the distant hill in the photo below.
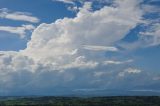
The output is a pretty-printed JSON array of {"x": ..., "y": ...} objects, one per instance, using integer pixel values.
[{"x": 77, "y": 101}]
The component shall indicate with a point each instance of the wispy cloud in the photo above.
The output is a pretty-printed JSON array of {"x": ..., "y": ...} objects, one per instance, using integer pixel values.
[
  {"x": 65, "y": 1},
  {"x": 112, "y": 62},
  {"x": 152, "y": 35},
  {"x": 129, "y": 71},
  {"x": 18, "y": 16},
  {"x": 21, "y": 31},
  {"x": 82, "y": 1},
  {"x": 99, "y": 48}
]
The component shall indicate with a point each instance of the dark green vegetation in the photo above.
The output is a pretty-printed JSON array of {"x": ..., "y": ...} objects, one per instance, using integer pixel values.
[{"x": 75, "y": 101}]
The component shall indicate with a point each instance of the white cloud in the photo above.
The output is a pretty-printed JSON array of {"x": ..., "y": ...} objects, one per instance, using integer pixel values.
[
  {"x": 73, "y": 33},
  {"x": 73, "y": 8},
  {"x": 18, "y": 16},
  {"x": 21, "y": 31}
]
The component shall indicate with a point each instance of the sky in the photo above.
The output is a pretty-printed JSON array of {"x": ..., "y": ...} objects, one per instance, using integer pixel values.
[{"x": 66, "y": 47}]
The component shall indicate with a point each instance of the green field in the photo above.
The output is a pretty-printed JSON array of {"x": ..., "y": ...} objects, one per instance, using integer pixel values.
[{"x": 77, "y": 101}]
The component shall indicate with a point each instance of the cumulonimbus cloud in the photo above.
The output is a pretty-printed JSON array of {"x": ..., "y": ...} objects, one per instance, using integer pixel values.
[{"x": 55, "y": 60}]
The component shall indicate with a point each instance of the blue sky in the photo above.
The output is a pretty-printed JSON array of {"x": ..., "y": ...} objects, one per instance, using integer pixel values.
[{"x": 75, "y": 46}]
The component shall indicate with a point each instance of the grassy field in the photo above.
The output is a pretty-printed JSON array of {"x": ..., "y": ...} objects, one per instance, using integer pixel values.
[{"x": 77, "y": 101}]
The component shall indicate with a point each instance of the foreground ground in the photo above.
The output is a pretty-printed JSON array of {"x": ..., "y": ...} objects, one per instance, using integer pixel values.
[{"x": 75, "y": 101}]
